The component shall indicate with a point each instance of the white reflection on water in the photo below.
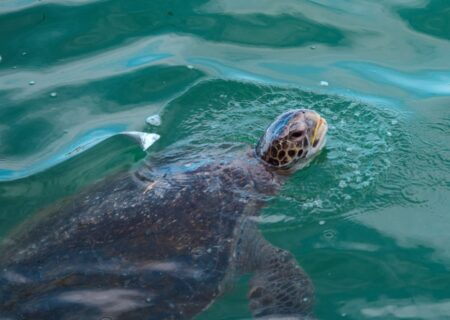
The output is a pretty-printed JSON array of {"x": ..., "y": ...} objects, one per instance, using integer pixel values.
[
  {"x": 409, "y": 309},
  {"x": 109, "y": 301},
  {"x": 412, "y": 227},
  {"x": 115, "y": 62},
  {"x": 420, "y": 83}
]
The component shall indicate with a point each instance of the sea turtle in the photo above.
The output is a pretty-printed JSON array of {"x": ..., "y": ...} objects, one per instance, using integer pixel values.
[{"x": 163, "y": 241}]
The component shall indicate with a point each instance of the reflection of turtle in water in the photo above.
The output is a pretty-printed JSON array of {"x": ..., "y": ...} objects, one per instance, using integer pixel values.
[{"x": 162, "y": 242}]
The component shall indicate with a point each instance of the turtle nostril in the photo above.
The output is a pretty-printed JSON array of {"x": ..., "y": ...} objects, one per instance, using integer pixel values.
[{"x": 305, "y": 142}]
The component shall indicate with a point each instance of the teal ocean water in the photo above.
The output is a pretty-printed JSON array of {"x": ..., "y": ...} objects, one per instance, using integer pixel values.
[{"x": 369, "y": 219}]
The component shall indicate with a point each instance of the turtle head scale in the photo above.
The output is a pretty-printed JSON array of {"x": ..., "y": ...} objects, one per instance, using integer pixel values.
[{"x": 293, "y": 139}]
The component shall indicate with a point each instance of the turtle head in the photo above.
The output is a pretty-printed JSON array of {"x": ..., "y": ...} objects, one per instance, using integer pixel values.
[{"x": 292, "y": 139}]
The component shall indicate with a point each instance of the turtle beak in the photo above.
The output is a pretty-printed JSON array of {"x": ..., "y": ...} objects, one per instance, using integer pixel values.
[{"x": 320, "y": 131}]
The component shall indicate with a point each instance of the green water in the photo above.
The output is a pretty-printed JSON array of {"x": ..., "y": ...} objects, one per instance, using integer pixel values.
[{"x": 369, "y": 220}]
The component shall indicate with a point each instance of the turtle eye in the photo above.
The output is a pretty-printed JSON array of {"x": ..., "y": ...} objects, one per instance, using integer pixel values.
[{"x": 297, "y": 134}]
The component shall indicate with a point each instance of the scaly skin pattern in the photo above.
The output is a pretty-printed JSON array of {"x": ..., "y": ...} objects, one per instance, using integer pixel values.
[
  {"x": 152, "y": 244},
  {"x": 160, "y": 243}
]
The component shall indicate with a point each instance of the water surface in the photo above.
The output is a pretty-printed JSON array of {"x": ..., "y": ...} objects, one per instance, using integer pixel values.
[{"x": 368, "y": 219}]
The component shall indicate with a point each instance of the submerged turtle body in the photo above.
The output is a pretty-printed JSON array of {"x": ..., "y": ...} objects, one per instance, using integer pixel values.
[
  {"x": 159, "y": 243},
  {"x": 147, "y": 234}
]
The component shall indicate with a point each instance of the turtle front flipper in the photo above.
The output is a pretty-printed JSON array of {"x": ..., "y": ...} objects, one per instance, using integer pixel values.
[{"x": 279, "y": 286}]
